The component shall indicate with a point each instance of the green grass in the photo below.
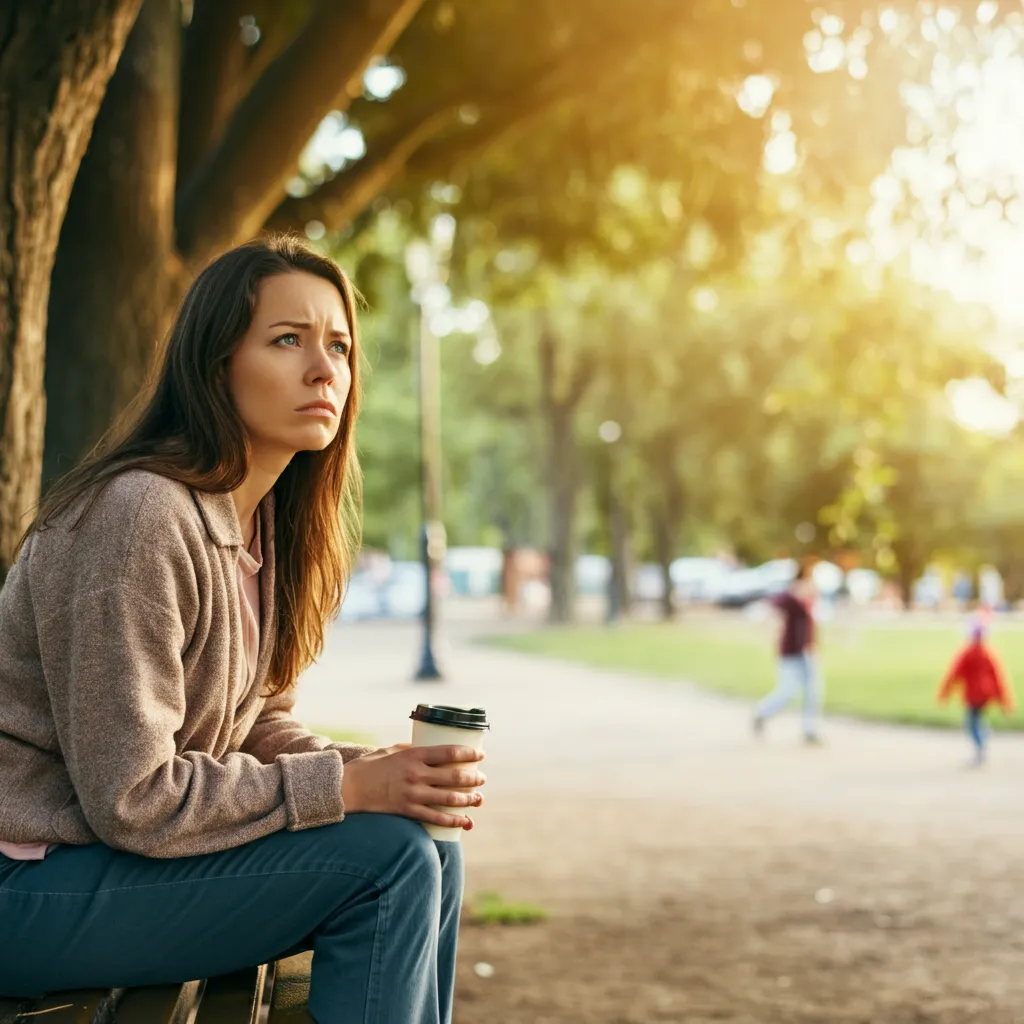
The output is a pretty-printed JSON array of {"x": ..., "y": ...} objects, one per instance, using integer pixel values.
[
  {"x": 888, "y": 671},
  {"x": 489, "y": 908}
]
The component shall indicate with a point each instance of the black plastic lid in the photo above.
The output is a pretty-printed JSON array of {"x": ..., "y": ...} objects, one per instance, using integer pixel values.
[{"x": 445, "y": 714}]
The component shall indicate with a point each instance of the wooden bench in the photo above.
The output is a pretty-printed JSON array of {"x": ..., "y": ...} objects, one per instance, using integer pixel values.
[{"x": 274, "y": 993}]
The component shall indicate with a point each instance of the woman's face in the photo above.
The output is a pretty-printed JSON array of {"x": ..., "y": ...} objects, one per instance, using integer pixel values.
[{"x": 290, "y": 375}]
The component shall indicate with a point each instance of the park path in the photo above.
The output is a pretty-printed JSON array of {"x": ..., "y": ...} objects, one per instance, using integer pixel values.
[{"x": 693, "y": 873}]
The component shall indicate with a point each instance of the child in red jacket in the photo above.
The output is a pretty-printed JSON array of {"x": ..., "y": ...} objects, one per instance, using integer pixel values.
[{"x": 979, "y": 671}]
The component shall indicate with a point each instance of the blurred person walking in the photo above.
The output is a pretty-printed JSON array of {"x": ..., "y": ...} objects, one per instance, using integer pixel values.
[
  {"x": 798, "y": 668},
  {"x": 977, "y": 671}
]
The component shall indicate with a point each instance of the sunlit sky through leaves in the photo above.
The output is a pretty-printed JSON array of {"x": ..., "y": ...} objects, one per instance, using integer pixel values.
[{"x": 949, "y": 204}]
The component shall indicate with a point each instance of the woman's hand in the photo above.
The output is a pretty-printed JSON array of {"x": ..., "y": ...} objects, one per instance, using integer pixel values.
[{"x": 415, "y": 782}]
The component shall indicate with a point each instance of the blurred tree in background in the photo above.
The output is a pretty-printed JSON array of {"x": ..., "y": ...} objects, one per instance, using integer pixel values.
[{"x": 662, "y": 212}]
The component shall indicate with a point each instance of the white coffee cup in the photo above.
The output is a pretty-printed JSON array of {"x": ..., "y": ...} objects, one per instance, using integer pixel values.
[{"x": 435, "y": 725}]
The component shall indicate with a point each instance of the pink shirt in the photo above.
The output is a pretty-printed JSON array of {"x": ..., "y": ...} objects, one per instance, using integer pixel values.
[{"x": 249, "y": 564}]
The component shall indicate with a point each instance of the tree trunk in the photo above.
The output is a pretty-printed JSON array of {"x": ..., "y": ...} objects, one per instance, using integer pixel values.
[
  {"x": 113, "y": 282},
  {"x": 1012, "y": 572},
  {"x": 1010, "y": 564},
  {"x": 666, "y": 511},
  {"x": 664, "y": 546},
  {"x": 621, "y": 558},
  {"x": 909, "y": 569},
  {"x": 562, "y": 488},
  {"x": 55, "y": 62}
]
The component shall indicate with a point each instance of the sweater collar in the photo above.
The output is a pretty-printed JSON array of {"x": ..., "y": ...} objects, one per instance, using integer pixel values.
[{"x": 219, "y": 518}]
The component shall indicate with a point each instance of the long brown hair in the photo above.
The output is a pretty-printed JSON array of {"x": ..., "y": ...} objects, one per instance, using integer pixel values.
[{"x": 184, "y": 425}]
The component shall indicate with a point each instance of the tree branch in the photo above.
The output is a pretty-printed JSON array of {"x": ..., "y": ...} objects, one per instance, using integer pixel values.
[
  {"x": 277, "y": 29},
  {"x": 341, "y": 199},
  {"x": 417, "y": 151},
  {"x": 347, "y": 194},
  {"x": 212, "y": 62},
  {"x": 238, "y": 185},
  {"x": 438, "y": 159}
]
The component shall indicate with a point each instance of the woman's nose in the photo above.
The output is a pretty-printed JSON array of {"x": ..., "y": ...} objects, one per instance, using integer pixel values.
[{"x": 322, "y": 368}]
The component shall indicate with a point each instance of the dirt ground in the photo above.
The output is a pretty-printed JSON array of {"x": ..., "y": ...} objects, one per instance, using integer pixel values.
[{"x": 692, "y": 874}]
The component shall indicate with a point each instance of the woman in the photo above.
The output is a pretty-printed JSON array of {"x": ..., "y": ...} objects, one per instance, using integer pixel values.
[{"x": 163, "y": 817}]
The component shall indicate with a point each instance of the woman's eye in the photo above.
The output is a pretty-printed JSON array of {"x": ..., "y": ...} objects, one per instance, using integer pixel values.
[
  {"x": 341, "y": 347},
  {"x": 287, "y": 339}
]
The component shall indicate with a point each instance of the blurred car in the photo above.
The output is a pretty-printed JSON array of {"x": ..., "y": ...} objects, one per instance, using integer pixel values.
[
  {"x": 929, "y": 591},
  {"x": 745, "y": 586},
  {"x": 863, "y": 585},
  {"x": 362, "y": 599},
  {"x": 740, "y": 588},
  {"x": 649, "y": 584},
  {"x": 592, "y": 574},
  {"x": 699, "y": 579},
  {"x": 403, "y": 594},
  {"x": 474, "y": 571},
  {"x": 828, "y": 578}
]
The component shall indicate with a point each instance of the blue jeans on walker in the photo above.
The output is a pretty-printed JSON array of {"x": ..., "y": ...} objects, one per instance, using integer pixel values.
[
  {"x": 373, "y": 896},
  {"x": 796, "y": 672},
  {"x": 976, "y": 729}
]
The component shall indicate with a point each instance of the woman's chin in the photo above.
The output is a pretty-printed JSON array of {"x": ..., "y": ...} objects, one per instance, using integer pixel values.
[{"x": 316, "y": 437}]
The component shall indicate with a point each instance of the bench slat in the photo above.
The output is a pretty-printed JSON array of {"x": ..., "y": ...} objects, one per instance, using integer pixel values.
[
  {"x": 78, "y": 1006},
  {"x": 233, "y": 998},
  {"x": 159, "y": 1004},
  {"x": 10, "y": 1008},
  {"x": 290, "y": 994}
]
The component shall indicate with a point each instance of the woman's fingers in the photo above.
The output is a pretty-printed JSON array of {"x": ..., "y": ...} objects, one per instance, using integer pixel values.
[
  {"x": 446, "y": 819},
  {"x": 448, "y": 754},
  {"x": 453, "y": 777},
  {"x": 446, "y": 797}
]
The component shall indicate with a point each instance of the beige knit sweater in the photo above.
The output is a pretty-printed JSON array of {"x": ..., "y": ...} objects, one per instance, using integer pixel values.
[{"x": 125, "y": 714}]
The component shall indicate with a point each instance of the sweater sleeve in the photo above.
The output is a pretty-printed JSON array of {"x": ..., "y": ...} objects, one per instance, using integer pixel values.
[
  {"x": 1004, "y": 691},
  {"x": 118, "y": 693},
  {"x": 276, "y": 731},
  {"x": 953, "y": 676}
]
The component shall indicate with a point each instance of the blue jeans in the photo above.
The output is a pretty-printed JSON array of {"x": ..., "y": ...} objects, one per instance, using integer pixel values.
[
  {"x": 796, "y": 672},
  {"x": 976, "y": 729},
  {"x": 373, "y": 896}
]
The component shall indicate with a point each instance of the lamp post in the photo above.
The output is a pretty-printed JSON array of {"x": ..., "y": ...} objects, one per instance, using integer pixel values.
[{"x": 426, "y": 268}]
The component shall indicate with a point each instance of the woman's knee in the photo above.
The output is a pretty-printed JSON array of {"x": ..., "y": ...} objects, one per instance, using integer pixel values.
[{"x": 384, "y": 846}]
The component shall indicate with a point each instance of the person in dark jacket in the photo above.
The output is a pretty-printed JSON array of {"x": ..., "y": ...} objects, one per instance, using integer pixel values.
[{"x": 798, "y": 669}]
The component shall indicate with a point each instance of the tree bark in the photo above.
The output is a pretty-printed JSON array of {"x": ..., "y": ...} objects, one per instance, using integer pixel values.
[
  {"x": 113, "y": 282},
  {"x": 55, "y": 62},
  {"x": 621, "y": 559},
  {"x": 213, "y": 63},
  {"x": 910, "y": 565},
  {"x": 666, "y": 512},
  {"x": 559, "y": 404},
  {"x": 239, "y": 184},
  {"x": 1011, "y": 568},
  {"x": 664, "y": 547}
]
